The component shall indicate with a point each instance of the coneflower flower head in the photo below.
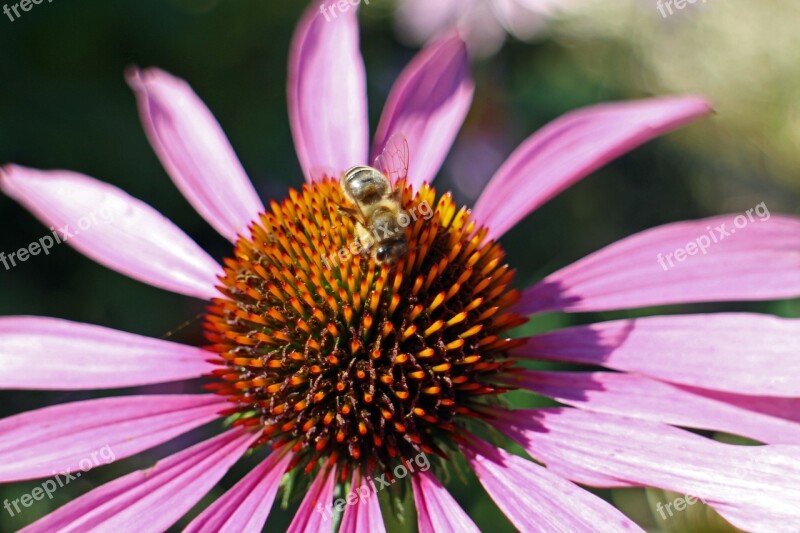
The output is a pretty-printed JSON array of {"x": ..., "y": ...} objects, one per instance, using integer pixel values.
[{"x": 365, "y": 365}]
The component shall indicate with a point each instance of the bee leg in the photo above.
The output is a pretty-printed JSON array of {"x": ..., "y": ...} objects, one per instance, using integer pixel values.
[
  {"x": 365, "y": 242},
  {"x": 348, "y": 212},
  {"x": 368, "y": 242},
  {"x": 365, "y": 238}
]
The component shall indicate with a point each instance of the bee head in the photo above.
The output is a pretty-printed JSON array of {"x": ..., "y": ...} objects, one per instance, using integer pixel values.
[{"x": 390, "y": 251}]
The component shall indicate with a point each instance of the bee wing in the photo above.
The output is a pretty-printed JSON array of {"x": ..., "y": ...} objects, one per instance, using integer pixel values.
[
  {"x": 353, "y": 212},
  {"x": 393, "y": 161}
]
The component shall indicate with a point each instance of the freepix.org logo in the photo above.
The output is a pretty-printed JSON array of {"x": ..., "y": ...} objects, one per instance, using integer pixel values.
[
  {"x": 24, "y": 6},
  {"x": 335, "y": 8},
  {"x": 57, "y": 236},
  {"x": 49, "y": 486},
  {"x": 372, "y": 486},
  {"x": 665, "y": 6}
]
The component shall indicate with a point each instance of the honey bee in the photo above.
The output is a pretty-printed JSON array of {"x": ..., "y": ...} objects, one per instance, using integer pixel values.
[{"x": 378, "y": 211}]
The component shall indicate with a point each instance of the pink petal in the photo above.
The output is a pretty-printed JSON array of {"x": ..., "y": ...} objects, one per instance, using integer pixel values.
[
  {"x": 761, "y": 261},
  {"x": 741, "y": 353},
  {"x": 114, "y": 229},
  {"x": 327, "y": 91},
  {"x": 534, "y": 499},
  {"x": 315, "y": 511},
  {"x": 428, "y": 104},
  {"x": 246, "y": 505},
  {"x": 648, "y": 399},
  {"x": 364, "y": 516},
  {"x": 157, "y": 496},
  {"x": 65, "y": 437},
  {"x": 436, "y": 509},
  {"x": 55, "y": 354},
  {"x": 756, "y": 488},
  {"x": 572, "y": 147},
  {"x": 420, "y": 21},
  {"x": 195, "y": 151}
]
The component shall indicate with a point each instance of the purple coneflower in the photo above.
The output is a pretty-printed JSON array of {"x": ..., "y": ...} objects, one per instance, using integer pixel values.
[
  {"x": 483, "y": 23},
  {"x": 349, "y": 378}
]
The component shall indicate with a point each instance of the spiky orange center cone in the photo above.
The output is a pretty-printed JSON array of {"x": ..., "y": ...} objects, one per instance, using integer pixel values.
[{"x": 362, "y": 364}]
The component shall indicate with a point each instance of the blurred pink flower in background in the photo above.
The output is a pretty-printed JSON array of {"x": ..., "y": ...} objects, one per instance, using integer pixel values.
[{"x": 482, "y": 23}]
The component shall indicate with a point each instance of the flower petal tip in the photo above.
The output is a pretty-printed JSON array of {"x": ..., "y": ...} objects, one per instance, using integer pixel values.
[
  {"x": 139, "y": 78},
  {"x": 694, "y": 105},
  {"x": 133, "y": 76},
  {"x": 5, "y": 171},
  {"x": 703, "y": 105},
  {"x": 9, "y": 174},
  {"x": 453, "y": 38}
]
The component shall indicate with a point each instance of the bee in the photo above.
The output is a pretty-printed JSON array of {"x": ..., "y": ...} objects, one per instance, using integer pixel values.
[{"x": 378, "y": 209}]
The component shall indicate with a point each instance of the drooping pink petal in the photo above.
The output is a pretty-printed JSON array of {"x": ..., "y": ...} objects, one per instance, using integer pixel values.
[
  {"x": 649, "y": 399},
  {"x": 363, "y": 516},
  {"x": 572, "y": 147},
  {"x": 327, "y": 90},
  {"x": 756, "y": 488},
  {"x": 428, "y": 104},
  {"x": 535, "y": 499},
  {"x": 157, "y": 496},
  {"x": 526, "y": 18},
  {"x": 113, "y": 228},
  {"x": 82, "y": 435},
  {"x": 195, "y": 151},
  {"x": 760, "y": 261},
  {"x": 245, "y": 507},
  {"x": 436, "y": 508},
  {"x": 55, "y": 354},
  {"x": 315, "y": 512},
  {"x": 420, "y": 22},
  {"x": 740, "y": 353}
]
